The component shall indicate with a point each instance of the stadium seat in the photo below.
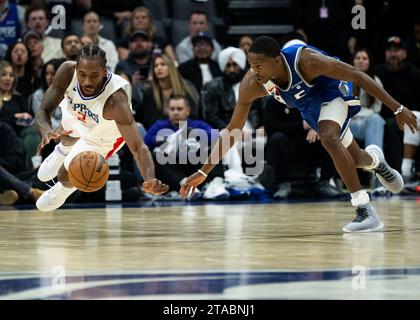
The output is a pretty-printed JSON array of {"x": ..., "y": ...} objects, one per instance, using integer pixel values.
[
  {"x": 158, "y": 8},
  {"x": 179, "y": 30},
  {"x": 108, "y": 30},
  {"x": 181, "y": 8}
]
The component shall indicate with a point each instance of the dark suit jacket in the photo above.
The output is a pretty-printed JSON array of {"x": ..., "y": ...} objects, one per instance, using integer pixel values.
[{"x": 191, "y": 70}]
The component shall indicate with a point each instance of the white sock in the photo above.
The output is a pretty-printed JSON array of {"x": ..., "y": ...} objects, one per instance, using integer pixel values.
[
  {"x": 407, "y": 166},
  {"x": 62, "y": 149},
  {"x": 375, "y": 161},
  {"x": 359, "y": 198}
]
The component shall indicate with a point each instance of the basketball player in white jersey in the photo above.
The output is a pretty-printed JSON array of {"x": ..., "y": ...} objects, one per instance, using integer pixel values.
[{"x": 97, "y": 117}]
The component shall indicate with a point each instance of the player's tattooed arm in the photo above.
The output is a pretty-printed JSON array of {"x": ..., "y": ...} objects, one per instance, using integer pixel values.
[{"x": 54, "y": 95}]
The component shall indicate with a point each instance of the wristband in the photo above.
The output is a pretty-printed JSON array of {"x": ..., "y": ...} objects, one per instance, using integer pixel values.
[
  {"x": 399, "y": 110},
  {"x": 202, "y": 172}
]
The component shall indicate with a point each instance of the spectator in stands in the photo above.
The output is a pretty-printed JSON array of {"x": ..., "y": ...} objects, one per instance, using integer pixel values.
[
  {"x": 137, "y": 65},
  {"x": 36, "y": 17},
  {"x": 367, "y": 125},
  {"x": 219, "y": 96},
  {"x": 91, "y": 28},
  {"x": 12, "y": 159},
  {"x": 245, "y": 42},
  {"x": 70, "y": 44},
  {"x": 142, "y": 19},
  {"x": 14, "y": 111},
  {"x": 290, "y": 141},
  {"x": 85, "y": 40},
  {"x": 47, "y": 77},
  {"x": 408, "y": 166},
  {"x": 12, "y": 24},
  {"x": 325, "y": 25},
  {"x": 198, "y": 22},
  {"x": 168, "y": 139},
  {"x": 120, "y": 14},
  {"x": 202, "y": 68},
  {"x": 26, "y": 79},
  {"x": 400, "y": 79},
  {"x": 413, "y": 45},
  {"x": 166, "y": 81},
  {"x": 33, "y": 40}
]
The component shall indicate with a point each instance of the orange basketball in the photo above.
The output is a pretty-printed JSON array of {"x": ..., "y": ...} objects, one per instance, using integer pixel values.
[{"x": 88, "y": 171}]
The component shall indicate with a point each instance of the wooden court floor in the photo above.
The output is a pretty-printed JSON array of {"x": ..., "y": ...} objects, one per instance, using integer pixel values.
[{"x": 277, "y": 250}]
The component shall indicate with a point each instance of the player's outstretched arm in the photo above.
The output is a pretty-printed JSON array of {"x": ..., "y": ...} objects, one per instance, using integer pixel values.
[
  {"x": 117, "y": 108},
  {"x": 50, "y": 101},
  {"x": 313, "y": 64},
  {"x": 248, "y": 92}
]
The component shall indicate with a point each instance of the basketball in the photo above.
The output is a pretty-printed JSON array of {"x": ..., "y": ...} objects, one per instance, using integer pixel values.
[{"x": 88, "y": 171}]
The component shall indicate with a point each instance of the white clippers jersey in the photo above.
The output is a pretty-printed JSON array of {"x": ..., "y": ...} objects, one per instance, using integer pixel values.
[{"x": 84, "y": 114}]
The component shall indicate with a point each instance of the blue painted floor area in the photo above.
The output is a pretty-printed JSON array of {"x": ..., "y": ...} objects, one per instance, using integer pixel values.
[{"x": 217, "y": 285}]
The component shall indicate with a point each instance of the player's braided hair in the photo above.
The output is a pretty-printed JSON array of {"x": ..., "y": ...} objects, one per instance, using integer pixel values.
[{"x": 92, "y": 52}]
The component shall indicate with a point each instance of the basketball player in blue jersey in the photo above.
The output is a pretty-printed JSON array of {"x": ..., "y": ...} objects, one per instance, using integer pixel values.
[
  {"x": 316, "y": 84},
  {"x": 97, "y": 116}
]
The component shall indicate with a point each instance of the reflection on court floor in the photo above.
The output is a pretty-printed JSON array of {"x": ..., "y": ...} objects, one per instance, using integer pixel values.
[{"x": 244, "y": 251}]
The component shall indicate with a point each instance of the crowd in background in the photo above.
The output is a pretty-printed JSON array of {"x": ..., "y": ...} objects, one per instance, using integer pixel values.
[{"x": 196, "y": 81}]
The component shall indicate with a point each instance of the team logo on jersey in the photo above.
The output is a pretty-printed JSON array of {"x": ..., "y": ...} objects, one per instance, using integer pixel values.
[
  {"x": 344, "y": 88},
  {"x": 83, "y": 112}
]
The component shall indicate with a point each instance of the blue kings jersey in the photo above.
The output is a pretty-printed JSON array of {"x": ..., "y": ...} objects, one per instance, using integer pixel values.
[
  {"x": 309, "y": 97},
  {"x": 9, "y": 29}
]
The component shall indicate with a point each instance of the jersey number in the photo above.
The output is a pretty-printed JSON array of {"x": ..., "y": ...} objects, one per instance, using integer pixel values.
[{"x": 81, "y": 117}]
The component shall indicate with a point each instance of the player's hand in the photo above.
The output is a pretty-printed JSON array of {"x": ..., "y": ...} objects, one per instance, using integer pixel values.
[
  {"x": 305, "y": 125},
  {"x": 154, "y": 186},
  {"x": 49, "y": 135},
  {"x": 312, "y": 136},
  {"x": 192, "y": 182},
  {"x": 407, "y": 117}
]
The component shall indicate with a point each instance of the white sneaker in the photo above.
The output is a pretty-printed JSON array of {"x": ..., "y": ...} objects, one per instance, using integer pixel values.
[
  {"x": 51, "y": 165},
  {"x": 367, "y": 220},
  {"x": 216, "y": 190},
  {"x": 390, "y": 178},
  {"x": 54, "y": 197},
  {"x": 237, "y": 180}
]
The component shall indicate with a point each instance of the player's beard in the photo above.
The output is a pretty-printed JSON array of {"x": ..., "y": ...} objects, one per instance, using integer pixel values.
[{"x": 233, "y": 77}]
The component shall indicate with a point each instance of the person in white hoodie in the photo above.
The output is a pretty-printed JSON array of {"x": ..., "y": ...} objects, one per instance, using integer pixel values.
[{"x": 367, "y": 125}]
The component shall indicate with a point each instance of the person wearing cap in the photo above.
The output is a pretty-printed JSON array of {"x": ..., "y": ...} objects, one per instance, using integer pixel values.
[
  {"x": 400, "y": 75},
  {"x": 36, "y": 17},
  {"x": 33, "y": 40},
  {"x": 400, "y": 78},
  {"x": 137, "y": 65},
  {"x": 198, "y": 22},
  {"x": 91, "y": 27},
  {"x": 202, "y": 68}
]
